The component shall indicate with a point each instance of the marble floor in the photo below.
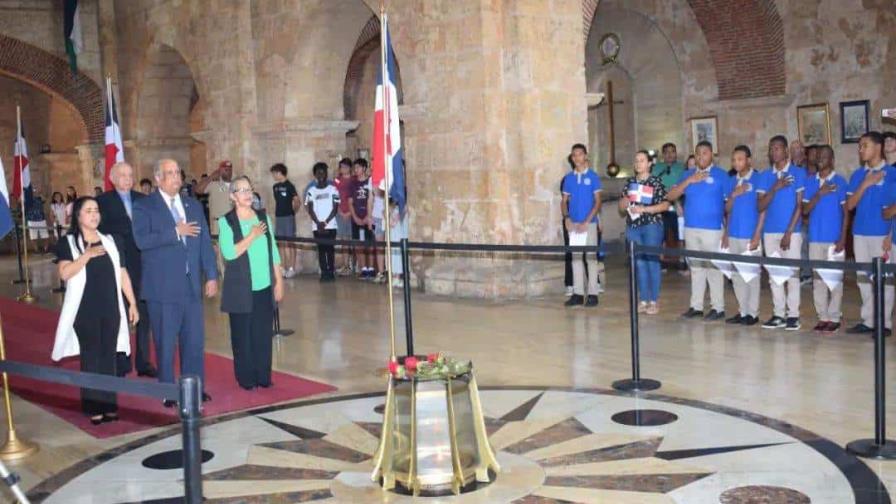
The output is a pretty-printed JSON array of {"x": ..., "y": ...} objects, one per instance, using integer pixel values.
[{"x": 758, "y": 414}]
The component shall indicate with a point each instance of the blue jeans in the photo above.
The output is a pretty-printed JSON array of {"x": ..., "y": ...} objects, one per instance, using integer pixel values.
[{"x": 647, "y": 265}]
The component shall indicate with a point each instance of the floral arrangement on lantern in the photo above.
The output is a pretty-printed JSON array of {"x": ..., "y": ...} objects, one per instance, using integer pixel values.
[{"x": 435, "y": 367}]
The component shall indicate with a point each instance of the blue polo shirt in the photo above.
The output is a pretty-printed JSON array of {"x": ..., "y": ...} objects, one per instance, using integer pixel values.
[
  {"x": 780, "y": 210},
  {"x": 826, "y": 219},
  {"x": 744, "y": 214},
  {"x": 581, "y": 188},
  {"x": 869, "y": 220},
  {"x": 704, "y": 202}
]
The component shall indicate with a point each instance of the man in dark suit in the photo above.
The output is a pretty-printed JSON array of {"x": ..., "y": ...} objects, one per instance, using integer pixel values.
[
  {"x": 172, "y": 234},
  {"x": 116, "y": 208}
]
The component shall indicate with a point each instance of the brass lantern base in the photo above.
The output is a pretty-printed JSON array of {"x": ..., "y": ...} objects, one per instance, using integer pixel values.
[{"x": 434, "y": 439}]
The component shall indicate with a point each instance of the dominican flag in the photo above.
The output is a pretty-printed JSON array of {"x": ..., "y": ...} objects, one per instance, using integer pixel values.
[
  {"x": 21, "y": 182},
  {"x": 5, "y": 214},
  {"x": 640, "y": 193},
  {"x": 388, "y": 160},
  {"x": 114, "y": 150}
]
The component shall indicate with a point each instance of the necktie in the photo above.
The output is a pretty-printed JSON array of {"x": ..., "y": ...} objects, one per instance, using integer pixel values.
[
  {"x": 178, "y": 218},
  {"x": 126, "y": 199}
]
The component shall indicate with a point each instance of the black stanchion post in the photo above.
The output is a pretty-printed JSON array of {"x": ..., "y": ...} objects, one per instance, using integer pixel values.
[
  {"x": 636, "y": 383},
  {"x": 21, "y": 278},
  {"x": 879, "y": 447},
  {"x": 190, "y": 401},
  {"x": 408, "y": 320},
  {"x": 279, "y": 332},
  {"x": 61, "y": 287}
]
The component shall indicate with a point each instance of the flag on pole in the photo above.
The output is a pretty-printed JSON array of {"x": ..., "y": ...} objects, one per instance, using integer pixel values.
[
  {"x": 73, "y": 41},
  {"x": 5, "y": 213},
  {"x": 114, "y": 149},
  {"x": 21, "y": 186},
  {"x": 387, "y": 152}
]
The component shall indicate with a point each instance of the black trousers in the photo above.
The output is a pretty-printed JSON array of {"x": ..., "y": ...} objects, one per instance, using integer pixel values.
[
  {"x": 326, "y": 254},
  {"x": 567, "y": 258},
  {"x": 98, "y": 338},
  {"x": 143, "y": 348},
  {"x": 251, "y": 338}
]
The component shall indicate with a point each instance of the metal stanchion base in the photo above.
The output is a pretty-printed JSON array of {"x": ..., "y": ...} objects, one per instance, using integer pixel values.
[
  {"x": 283, "y": 333},
  {"x": 16, "y": 448},
  {"x": 27, "y": 298},
  {"x": 642, "y": 385},
  {"x": 868, "y": 448}
]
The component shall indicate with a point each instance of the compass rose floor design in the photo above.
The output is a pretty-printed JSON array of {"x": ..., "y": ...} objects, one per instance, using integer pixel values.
[{"x": 554, "y": 446}]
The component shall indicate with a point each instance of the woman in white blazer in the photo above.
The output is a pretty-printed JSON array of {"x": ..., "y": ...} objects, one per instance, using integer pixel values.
[{"x": 93, "y": 322}]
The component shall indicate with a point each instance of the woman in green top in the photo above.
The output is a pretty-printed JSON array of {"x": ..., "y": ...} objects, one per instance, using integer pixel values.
[{"x": 253, "y": 282}]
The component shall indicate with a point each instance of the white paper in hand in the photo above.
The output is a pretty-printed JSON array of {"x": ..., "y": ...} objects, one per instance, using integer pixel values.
[
  {"x": 725, "y": 267},
  {"x": 578, "y": 239},
  {"x": 748, "y": 271},
  {"x": 634, "y": 216},
  {"x": 681, "y": 228},
  {"x": 778, "y": 274},
  {"x": 832, "y": 277}
]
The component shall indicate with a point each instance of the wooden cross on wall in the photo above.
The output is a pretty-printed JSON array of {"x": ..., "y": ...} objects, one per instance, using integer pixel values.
[{"x": 610, "y": 103}]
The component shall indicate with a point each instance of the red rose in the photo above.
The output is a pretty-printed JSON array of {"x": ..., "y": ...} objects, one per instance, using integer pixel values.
[
  {"x": 410, "y": 363},
  {"x": 393, "y": 367},
  {"x": 432, "y": 357}
]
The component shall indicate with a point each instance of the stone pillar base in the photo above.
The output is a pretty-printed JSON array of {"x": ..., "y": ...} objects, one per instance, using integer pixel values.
[{"x": 494, "y": 278}]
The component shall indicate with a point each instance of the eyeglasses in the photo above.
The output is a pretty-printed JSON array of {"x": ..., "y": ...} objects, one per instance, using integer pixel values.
[{"x": 243, "y": 190}]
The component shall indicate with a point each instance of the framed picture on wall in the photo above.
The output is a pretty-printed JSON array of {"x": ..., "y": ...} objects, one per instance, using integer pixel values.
[
  {"x": 705, "y": 129},
  {"x": 853, "y": 120},
  {"x": 814, "y": 123}
]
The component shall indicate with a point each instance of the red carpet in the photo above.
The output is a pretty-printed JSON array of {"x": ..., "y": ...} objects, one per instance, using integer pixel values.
[{"x": 29, "y": 332}]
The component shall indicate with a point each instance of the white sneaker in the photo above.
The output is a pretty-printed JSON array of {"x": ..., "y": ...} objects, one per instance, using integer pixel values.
[
  {"x": 398, "y": 283},
  {"x": 569, "y": 291},
  {"x": 289, "y": 273}
]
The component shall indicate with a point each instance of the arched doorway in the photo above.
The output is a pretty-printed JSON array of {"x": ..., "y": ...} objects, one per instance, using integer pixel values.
[
  {"x": 647, "y": 85},
  {"x": 169, "y": 111}
]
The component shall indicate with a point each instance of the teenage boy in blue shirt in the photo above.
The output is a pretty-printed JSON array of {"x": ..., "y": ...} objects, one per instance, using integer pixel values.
[
  {"x": 824, "y": 204},
  {"x": 744, "y": 230},
  {"x": 784, "y": 183},
  {"x": 580, "y": 208},
  {"x": 868, "y": 194},
  {"x": 705, "y": 188}
]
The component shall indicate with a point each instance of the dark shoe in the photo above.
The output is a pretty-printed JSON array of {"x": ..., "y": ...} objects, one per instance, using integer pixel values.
[
  {"x": 887, "y": 333},
  {"x": 169, "y": 403},
  {"x": 266, "y": 385},
  {"x": 749, "y": 320},
  {"x": 592, "y": 301},
  {"x": 821, "y": 326},
  {"x": 248, "y": 387},
  {"x": 737, "y": 319},
  {"x": 97, "y": 420},
  {"x": 206, "y": 397},
  {"x": 574, "y": 300},
  {"x": 110, "y": 417},
  {"x": 714, "y": 315},
  {"x": 859, "y": 328},
  {"x": 692, "y": 313},
  {"x": 774, "y": 323},
  {"x": 149, "y": 373},
  {"x": 793, "y": 324},
  {"x": 832, "y": 327}
]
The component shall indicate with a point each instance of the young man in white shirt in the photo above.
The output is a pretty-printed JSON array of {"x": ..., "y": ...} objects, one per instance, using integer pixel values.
[{"x": 322, "y": 202}]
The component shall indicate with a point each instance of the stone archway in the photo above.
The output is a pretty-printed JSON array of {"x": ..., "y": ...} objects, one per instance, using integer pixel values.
[
  {"x": 169, "y": 109},
  {"x": 360, "y": 85},
  {"x": 647, "y": 79}
]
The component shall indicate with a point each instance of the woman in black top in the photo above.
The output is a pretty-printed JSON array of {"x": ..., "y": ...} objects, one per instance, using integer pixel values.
[
  {"x": 644, "y": 200},
  {"x": 91, "y": 322}
]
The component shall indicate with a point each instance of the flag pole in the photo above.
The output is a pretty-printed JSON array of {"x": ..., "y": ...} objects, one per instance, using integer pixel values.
[
  {"x": 27, "y": 297},
  {"x": 384, "y": 72}
]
